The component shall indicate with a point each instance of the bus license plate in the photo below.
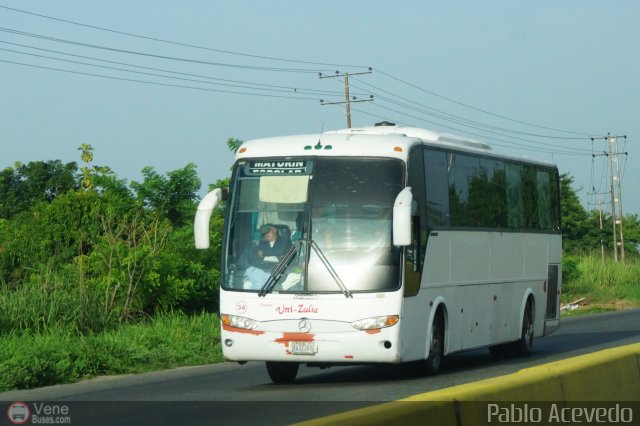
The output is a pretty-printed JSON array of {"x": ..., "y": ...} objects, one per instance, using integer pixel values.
[{"x": 303, "y": 348}]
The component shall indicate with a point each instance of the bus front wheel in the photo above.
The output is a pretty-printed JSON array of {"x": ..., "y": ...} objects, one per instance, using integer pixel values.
[
  {"x": 282, "y": 372},
  {"x": 436, "y": 346}
]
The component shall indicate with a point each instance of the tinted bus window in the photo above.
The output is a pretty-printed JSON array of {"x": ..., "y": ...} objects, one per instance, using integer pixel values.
[
  {"x": 515, "y": 206},
  {"x": 436, "y": 177}
]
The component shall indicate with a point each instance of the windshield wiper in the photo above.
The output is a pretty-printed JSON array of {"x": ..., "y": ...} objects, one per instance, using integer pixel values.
[
  {"x": 279, "y": 269},
  {"x": 332, "y": 271}
]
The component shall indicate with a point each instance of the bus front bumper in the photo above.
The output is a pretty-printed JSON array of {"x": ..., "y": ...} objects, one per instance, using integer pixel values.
[{"x": 366, "y": 346}]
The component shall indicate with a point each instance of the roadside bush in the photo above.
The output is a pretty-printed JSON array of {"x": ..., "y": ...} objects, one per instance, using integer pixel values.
[
  {"x": 32, "y": 359},
  {"x": 570, "y": 271}
]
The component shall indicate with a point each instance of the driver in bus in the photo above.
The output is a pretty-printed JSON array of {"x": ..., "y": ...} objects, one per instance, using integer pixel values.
[
  {"x": 267, "y": 254},
  {"x": 271, "y": 246}
]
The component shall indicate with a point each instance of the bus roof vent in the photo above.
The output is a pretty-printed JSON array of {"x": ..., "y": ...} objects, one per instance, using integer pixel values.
[
  {"x": 464, "y": 142},
  {"x": 385, "y": 123}
]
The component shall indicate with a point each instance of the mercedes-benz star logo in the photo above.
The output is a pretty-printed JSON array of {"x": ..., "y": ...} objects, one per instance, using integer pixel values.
[{"x": 304, "y": 325}]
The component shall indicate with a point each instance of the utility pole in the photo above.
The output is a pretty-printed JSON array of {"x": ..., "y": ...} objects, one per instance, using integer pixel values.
[
  {"x": 613, "y": 154},
  {"x": 348, "y": 99},
  {"x": 616, "y": 193},
  {"x": 614, "y": 218}
]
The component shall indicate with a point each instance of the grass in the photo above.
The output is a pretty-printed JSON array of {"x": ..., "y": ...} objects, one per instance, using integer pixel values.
[
  {"x": 606, "y": 285},
  {"x": 51, "y": 334},
  {"x": 39, "y": 358}
]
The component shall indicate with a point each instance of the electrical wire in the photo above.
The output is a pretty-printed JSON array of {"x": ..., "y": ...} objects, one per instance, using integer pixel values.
[
  {"x": 164, "y": 57},
  {"x": 287, "y": 90},
  {"x": 229, "y": 52},
  {"x": 510, "y": 144},
  {"x": 480, "y": 109},
  {"x": 292, "y": 88},
  {"x": 156, "y": 83},
  {"x": 447, "y": 116},
  {"x": 421, "y": 108},
  {"x": 585, "y": 151}
]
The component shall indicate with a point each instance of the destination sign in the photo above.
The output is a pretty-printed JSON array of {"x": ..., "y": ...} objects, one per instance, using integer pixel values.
[{"x": 276, "y": 167}]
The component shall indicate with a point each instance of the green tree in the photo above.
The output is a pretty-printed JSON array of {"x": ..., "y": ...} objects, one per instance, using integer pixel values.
[
  {"x": 173, "y": 196},
  {"x": 581, "y": 230},
  {"x": 49, "y": 234},
  {"x": 234, "y": 144},
  {"x": 603, "y": 236},
  {"x": 575, "y": 220},
  {"x": 24, "y": 185},
  {"x": 631, "y": 230},
  {"x": 87, "y": 157}
]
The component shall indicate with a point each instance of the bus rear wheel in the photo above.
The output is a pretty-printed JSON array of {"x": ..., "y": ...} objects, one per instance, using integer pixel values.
[
  {"x": 524, "y": 345},
  {"x": 282, "y": 372}
]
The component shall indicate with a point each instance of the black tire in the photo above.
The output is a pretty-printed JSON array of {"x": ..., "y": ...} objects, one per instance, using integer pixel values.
[
  {"x": 433, "y": 363},
  {"x": 524, "y": 346},
  {"x": 282, "y": 372}
]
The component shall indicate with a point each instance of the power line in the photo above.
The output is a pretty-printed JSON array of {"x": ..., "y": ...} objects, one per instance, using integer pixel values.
[
  {"x": 480, "y": 109},
  {"x": 281, "y": 90},
  {"x": 493, "y": 140},
  {"x": 479, "y": 128},
  {"x": 265, "y": 87},
  {"x": 229, "y": 52},
  {"x": 156, "y": 83},
  {"x": 150, "y": 55},
  {"x": 455, "y": 118},
  {"x": 292, "y": 88}
]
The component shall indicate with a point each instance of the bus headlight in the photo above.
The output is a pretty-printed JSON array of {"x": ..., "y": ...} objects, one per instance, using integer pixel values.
[
  {"x": 376, "y": 322},
  {"x": 238, "y": 322}
]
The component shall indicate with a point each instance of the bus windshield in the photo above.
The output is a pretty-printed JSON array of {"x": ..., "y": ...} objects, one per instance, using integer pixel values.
[{"x": 320, "y": 225}]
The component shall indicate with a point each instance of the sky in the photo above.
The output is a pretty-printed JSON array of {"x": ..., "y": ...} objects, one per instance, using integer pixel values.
[{"x": 164, "y": 84}]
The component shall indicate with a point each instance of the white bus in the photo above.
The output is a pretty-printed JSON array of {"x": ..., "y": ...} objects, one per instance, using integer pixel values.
[{"x": 394, "y": 244}]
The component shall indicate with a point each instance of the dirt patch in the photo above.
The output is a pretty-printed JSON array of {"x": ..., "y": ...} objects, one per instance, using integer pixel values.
[{"x": 616, "y": 305}]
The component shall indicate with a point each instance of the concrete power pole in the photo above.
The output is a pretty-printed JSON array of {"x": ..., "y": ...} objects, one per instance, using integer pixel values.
[{"x": 613, "y": 154}]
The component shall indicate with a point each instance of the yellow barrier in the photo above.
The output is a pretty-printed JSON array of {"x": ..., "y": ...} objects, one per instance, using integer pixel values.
[{"x": 611, "y": 375}]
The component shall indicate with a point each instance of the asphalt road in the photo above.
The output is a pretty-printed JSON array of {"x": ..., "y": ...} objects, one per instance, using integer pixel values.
[{"x": 227, "y": 394}]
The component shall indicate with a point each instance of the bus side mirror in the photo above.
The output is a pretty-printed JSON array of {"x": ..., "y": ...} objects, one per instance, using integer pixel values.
[
  {"x": 402, "y": 218},
  {"x": 203, "y": 215}
]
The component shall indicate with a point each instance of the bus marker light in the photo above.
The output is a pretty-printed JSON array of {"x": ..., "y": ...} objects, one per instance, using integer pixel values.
[
  {"x": 397, "y": 149},
  {"x": 242, "y": 150}
]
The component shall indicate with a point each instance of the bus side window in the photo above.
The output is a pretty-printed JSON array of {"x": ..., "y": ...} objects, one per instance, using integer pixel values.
[
  {"x": 437, "y": 186},
  {"x": 417, "y": 183}
]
